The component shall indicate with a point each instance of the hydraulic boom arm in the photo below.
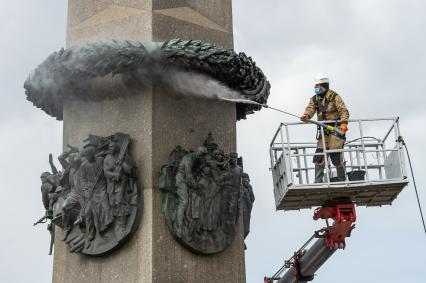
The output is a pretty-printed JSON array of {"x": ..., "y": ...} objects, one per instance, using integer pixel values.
[{"x": 302, "y": 266}]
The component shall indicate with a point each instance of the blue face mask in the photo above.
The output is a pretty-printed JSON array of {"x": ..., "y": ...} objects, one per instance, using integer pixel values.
[{"x": 317, "y": 90}]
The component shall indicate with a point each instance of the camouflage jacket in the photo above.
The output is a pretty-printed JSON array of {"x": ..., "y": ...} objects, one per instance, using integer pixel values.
[{"x": 328, "y": 107}]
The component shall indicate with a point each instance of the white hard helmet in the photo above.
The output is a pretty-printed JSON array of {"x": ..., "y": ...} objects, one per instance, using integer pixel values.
[{"x": 321, "y": 79}]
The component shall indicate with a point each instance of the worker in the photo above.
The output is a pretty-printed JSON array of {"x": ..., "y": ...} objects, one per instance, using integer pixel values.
[{"x": 328, "y": 105}]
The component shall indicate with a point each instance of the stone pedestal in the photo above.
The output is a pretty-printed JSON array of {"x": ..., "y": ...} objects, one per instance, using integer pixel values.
[{"x": 157, "y": 121}]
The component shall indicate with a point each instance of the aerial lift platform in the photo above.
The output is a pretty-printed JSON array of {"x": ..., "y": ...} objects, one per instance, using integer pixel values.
[{"x": 376, "y": 174}]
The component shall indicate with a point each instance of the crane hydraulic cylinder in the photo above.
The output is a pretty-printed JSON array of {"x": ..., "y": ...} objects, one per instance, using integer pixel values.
[{"x": 309, "y": 263}]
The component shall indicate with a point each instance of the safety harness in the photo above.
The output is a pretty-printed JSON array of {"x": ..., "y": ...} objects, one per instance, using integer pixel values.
[{"x": 322, "y": 108}]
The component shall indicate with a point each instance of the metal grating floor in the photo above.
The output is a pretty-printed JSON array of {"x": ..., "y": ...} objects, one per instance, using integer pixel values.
[{"x": 362, "y": 194}]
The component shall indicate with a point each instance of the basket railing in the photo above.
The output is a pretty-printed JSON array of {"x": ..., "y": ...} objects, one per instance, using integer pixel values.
[{"x": 375, "y": 158}]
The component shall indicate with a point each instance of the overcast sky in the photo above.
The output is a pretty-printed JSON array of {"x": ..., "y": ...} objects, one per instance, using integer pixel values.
[{"x": 374, "y": 53}]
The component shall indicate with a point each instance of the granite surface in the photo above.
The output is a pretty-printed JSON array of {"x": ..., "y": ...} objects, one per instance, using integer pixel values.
[{"x": 157, "y": 121}]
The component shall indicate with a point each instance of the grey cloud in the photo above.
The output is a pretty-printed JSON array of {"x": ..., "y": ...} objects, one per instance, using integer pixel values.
[{"x": 374, "y": 53}]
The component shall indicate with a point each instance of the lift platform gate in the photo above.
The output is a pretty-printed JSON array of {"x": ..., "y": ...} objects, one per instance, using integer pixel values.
[{"x": 374, "y": 158}]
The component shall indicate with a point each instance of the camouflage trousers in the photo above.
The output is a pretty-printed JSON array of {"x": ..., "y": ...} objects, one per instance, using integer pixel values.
[{"x": 331, "y": 142}]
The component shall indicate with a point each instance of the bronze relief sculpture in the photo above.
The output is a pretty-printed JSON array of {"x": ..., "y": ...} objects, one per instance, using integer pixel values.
[
  {"x": 95, "y": 198},
  {"x": 202, "y": 197}
]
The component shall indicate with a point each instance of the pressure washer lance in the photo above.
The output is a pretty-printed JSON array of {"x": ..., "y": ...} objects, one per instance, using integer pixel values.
[{"x": 328, "y": 128}]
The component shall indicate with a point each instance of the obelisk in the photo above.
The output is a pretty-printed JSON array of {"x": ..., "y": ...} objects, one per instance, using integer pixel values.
[{"x": 157, "y": 122}]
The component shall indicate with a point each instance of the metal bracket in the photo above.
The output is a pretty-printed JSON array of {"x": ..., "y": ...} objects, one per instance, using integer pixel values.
[
  {"x": 344, "y": 216},
  {"x": 296, "y": 264}
]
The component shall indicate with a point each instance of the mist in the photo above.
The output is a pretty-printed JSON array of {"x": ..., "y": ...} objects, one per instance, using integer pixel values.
[{"x": 107, "y": 70}]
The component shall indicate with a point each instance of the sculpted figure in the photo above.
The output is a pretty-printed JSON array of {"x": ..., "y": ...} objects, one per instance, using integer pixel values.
[
  {"x": 185, "y": 181},
  {"x": 217, "y": 162},
  {"x": 46, "y": 188},
  {"x": 202, "y": 196},
  {"x": 117, "y": 170},
  {"x": 248, "y": 200},
  {"x": 97, "y": 212},
  {"x": 232, "y": 185},
  {"x": 235, "y": 170},
  {"x": 95, "y": 199},
  {"x": 74, "y": 200},
  {"x": 49, "y": 184},
  {"x": 212, "y": 199},
  {"x": 167, "y": 184},
  {"x": 210, "y": 144}
]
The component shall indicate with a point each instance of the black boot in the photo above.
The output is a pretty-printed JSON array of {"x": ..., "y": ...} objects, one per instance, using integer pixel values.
[{"x": 341, "y": 173}]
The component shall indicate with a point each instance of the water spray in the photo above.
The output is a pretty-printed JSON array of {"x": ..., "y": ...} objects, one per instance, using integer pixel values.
[{"x": 328, "y": 128}]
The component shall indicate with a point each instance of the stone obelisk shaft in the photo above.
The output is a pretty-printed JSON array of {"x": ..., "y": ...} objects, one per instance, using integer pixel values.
[{"x": 157, "y": 122}]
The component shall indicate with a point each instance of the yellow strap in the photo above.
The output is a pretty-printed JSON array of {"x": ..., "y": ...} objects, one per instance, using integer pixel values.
[{"x": 330, "y": 96}]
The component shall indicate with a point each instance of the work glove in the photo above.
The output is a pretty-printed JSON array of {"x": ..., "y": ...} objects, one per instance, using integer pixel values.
[
  {"x": 304, "y": 118},
  {"x": 343, "y": 127}
]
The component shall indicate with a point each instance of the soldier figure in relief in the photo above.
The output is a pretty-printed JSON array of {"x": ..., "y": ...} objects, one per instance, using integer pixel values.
[
  {"x": 46, "y": 188},
  {"x": 117, "y": 175},
  {"x": 95, "y": 198},
  {"x": 97, "y": 213},
  {"x": 185, "y": 181},
  {"x": 75, "y": 197},
  {"x": 231, "y": 192},
  {"x": 211, "y": 191},
  {"x": 201, "y": 203},
  {"x": 49, "y": 184},
  {"x": 248, "y": 200}
]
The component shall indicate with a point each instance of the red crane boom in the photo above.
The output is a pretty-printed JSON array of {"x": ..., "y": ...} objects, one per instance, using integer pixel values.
[{"x": 302, "y": 266}]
